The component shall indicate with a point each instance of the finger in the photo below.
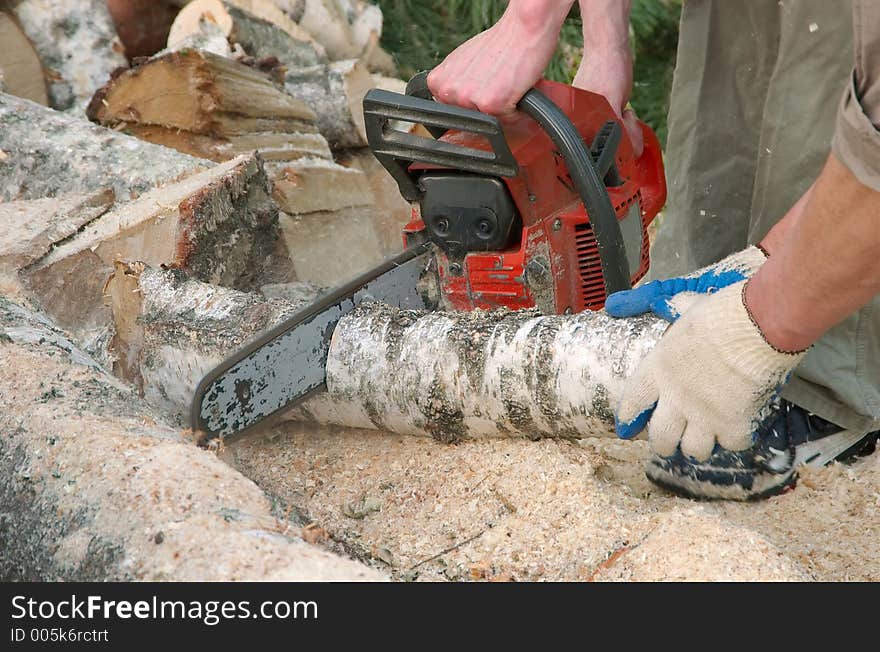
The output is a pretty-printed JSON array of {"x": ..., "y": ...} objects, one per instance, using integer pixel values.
[
  {"x": 666, "y": 427},
  {"x": 634, "y": 129},
  {"x": 637, "y": 404},
  {"x": 736, "y": 438},
  {"x": 698, "y": 441},
  {"x": 630, "y": 303}
]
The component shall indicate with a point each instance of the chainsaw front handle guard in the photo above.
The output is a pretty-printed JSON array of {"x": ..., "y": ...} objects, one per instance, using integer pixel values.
[{"x": 395, "y": 150}]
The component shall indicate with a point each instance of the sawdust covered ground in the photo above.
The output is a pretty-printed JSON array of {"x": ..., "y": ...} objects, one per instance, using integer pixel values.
[{"x": 555, "y": 510}]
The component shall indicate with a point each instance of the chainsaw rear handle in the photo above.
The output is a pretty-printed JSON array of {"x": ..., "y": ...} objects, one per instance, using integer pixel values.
[{"x": 395, "y": 150}]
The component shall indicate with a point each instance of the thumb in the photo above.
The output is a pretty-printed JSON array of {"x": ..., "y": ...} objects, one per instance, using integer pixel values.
[{"x": 634, "y": 129}]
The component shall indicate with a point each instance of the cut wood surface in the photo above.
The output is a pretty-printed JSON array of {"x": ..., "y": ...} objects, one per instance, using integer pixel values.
[
  {"x": 77, "y": 44},
  {"x": 260, "y": 28},
  {"x": 20, "y": 64},
  {"x": 314, "y": 185},
  {"x": 199, "y": 92},
  {"x": 45, "y": 153},
  {"x": 209, "y": 106},
  {"x": 95, "y": 487},
  {"x": 219, "y": 225}
]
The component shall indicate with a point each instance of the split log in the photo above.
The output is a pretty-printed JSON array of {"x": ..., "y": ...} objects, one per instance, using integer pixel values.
[
  {"x": 20, "y": 66},
  {"x": 220, "y": 226},
  {"x": 77, "y": 43},
  {"x": 328, "y": 248},
  {"x": 343, "y": 28},
  {"x": 391, "y": 212},
  {"x": 209, "y": 106},
  {"x": 95, "y": 487},
  {"x": 314, "y": 185},
  {"x": 30, "y": 229},
  {"x": 46, "y": 153},
  {"x": 258, "y": 26},
  {"x": 451, "y": 376},
  {"x": 335, "y": 92}
]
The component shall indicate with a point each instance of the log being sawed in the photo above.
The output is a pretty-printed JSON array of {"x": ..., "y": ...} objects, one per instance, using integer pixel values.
[{"x": 450, "y": 376}]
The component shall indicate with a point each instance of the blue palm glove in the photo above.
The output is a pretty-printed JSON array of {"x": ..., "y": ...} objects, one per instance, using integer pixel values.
[{"x": 669, "y": 299}]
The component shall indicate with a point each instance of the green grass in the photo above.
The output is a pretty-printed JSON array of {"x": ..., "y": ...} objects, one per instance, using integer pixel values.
[{"x": 420, "y": 33}]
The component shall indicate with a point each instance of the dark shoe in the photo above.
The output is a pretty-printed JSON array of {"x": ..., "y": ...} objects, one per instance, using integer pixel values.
[{"x": 789, "y": 437}]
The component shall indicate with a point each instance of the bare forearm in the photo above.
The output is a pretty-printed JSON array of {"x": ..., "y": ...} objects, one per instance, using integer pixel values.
[
  {"x": 827, "y": 266},
  {"x": 606, "y": 25},
  {"x": 777, "y": 235}
]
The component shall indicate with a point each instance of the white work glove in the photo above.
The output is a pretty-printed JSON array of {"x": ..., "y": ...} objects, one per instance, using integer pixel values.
[
  {"x": 670, "y": 298},
  {"x": 707, "y": 381}
]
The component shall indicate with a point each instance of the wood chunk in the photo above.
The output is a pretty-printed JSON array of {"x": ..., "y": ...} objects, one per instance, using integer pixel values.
[
  {"x": 391, "y": 212},
  {"x": 199, "y": 92},
  {"x": 44, "y": 153},
  {"x": 272, "y": 145},
  {"x": 77, "y": 43},
  {"x": 96, "y": 486},
  {"x": 30, "y": 229},
  {"x": 330, "y": 247},
  {"x": 220, "y": 226},
  {"x": 314, "y": 185},
  {"x": 21, "y": 69},
  {"x": 335, "y": 92},
  {"x": 259, "y": 27}
]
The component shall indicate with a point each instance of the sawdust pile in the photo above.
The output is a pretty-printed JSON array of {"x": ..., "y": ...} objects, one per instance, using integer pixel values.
[{"x": 557, "y": 510}]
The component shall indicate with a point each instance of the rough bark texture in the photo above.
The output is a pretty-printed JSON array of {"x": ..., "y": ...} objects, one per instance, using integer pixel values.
[
  {"x": 456, "y": 376},
  {"x": 46, "y": 153},
  {"x": 20, "y": 65},
  {"x": 77, "y": 43},
  {"x": 93, "y": 486},
  {"x": 335, "y": 92}
]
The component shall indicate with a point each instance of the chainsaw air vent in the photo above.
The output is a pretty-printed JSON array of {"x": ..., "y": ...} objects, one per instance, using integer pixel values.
[{"x": 589, "y": 266}]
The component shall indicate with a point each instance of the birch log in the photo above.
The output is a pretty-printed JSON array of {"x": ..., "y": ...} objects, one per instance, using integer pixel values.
[
  {"x": 451, "y": 376},
  {"x": 77, "y": 43},
  {"x": 44, "y": 153}
]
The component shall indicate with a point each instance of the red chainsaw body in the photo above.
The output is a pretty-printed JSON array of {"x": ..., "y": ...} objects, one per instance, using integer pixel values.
[{"x": 553, "y": 264}]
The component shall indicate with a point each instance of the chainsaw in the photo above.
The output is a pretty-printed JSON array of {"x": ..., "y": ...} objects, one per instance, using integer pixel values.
[{"x": 547, "y": 211}]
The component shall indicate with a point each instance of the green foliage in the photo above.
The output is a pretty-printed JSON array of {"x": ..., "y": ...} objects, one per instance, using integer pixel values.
[{"x": 420, "y": 33}]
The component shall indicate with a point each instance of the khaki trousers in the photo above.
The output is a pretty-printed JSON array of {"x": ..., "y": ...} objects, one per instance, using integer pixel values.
[{"x": 756, "y": 90}]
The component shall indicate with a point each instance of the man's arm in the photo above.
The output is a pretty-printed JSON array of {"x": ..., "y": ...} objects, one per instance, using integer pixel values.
[
  {"x": 494, "y": 69},
  {"x": 827, "y": 266},
  {"x": 607, "y": 64}
]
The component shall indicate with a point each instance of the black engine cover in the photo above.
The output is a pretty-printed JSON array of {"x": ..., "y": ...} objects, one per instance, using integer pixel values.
[{"x": 467, "y": 212}]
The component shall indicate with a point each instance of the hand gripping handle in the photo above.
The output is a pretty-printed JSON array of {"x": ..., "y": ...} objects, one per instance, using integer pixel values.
[{"x": 395, "y": 150}]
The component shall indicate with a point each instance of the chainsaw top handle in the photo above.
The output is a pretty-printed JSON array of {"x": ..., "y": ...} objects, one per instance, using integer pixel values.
[{"x": 395, "y": 150}]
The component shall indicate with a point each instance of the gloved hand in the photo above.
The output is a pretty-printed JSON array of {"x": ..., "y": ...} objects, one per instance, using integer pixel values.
[
  {"x": 707, "y": 380},
  {"x": 670, "y": 298}
]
